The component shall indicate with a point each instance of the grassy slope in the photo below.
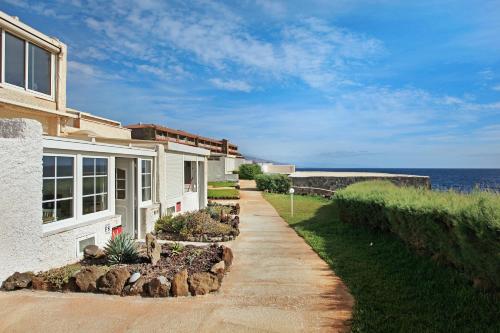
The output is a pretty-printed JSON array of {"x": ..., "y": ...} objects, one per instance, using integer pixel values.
[
  {"x": 222, "y": 184},
  {"x": 223, "y": 193},
  {"x": 395, "y": 290}
]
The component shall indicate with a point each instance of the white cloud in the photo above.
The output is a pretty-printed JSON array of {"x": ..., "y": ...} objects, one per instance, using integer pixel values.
[
  {"x": 496, "y": 88},
  {"x": 234, "y": 85}
]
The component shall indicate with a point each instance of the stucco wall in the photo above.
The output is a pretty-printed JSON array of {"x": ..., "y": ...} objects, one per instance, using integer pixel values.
[
  {"x": 60, "y": 248},
  {"x": 305, "y": 185},
  {"x": 217, "y": 169},
  {"x": 21, "y": 195}
]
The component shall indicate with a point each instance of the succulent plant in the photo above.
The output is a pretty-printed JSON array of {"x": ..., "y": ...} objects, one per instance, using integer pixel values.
[{"x": 121, "y": 249}]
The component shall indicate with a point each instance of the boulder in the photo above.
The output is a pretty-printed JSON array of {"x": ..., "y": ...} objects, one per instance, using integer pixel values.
[
  {"x": 227, "y": 255},
  {"x": 70, "y": 285},
  {"x": 93, "y": 252},
  {"x": 136, "y": 288},
  {"x": 39, "y": 283},
  {"x": 180, "y": 285},
  {"x": 86, "y": 279},
  {"x": 113, "y": 281},
  {"x": 18, "y": 281},
  {"x": 203, "y": 283},
  {"x": 235, "y": 222},
  {"x": 153, "y": 248},
  {"x": 236, "y": 209},
  {"x": 219, "y": 269},
  {"x": 134, "y": 277},
  {"x": 159, "y": 287}
]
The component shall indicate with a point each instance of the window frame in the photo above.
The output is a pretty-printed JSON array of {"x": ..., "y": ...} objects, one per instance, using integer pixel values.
[
  {"x": 4, "y": 84},
  {"x": 90, "y": 216},
  {"x": 140, "y": 187},
  {"x": 46, "y": 227}
]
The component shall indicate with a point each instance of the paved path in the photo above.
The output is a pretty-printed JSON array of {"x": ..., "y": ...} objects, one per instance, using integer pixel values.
[{"x": 277, "y": 284}]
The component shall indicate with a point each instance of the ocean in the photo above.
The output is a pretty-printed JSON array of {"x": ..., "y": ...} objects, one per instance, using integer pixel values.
[{"x": 462, "y": 180}]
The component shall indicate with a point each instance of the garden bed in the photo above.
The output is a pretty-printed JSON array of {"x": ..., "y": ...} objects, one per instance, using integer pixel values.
[
  {"x": 154, "y": 271},
  {"x": 216, "y": 223}
]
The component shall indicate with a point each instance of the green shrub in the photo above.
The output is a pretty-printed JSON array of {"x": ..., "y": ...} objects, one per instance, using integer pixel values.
[
  {"x": 273, "y": 183},
  {"x": 215, "y": 210},
  {"x": 121, "y": 250},
  {"x": 462, "y": 230},
  {"x": 193, "y": 224},
  {"x": 58, "y": 277},
  {"x": 249, "y": 171}
]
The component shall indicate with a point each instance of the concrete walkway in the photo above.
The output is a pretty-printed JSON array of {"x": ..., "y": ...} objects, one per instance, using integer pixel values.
[{"x": 277, "y": 284}]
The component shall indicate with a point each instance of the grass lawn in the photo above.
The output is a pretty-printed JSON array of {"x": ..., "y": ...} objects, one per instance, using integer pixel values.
[
  {"x": 222, "y": 184},
  {"x": 226, "y": 193},
  {"x": 395, "y": 289}
]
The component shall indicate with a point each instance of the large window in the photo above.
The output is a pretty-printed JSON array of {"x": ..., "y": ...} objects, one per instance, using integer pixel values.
[
  {"x": 95, "y": 185},
  {"x": 58, "y": 184},
  {"x": 38, "y": 65},
  {"x": 146, "y": 178}
]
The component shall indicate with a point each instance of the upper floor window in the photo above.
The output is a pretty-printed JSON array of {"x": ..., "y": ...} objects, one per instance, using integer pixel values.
[
  {"x": 95, "y": 185},
  {"x": 146, "y": 177},
  {"x": 27, "y": 65},
  {"x": 58, "y": 184}
]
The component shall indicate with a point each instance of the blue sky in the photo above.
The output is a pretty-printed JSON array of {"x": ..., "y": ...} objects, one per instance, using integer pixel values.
[{"x": 317, "y": 83}]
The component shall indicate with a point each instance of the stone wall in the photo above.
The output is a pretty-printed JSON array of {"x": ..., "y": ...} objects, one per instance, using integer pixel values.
[{"x": 327, "y": 185}]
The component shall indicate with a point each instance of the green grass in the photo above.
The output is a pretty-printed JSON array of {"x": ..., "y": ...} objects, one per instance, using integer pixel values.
[
  {"x": 230, "y": 193},
  {"x": 222, "y": 184},
  {"x": 395, "y": 290}
]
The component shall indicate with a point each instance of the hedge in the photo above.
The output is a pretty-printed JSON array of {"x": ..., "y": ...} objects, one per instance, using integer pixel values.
[
  {"x": 461, "y": 230},
  {"x": 249, "y": 171},
  {"x": 273, "y": 183}
]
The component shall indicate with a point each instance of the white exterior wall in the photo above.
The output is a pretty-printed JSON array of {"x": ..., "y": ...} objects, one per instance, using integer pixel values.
[
  {"x": 20, "y": 209},
  {"x": 60, "y": 248},
  {"x": 222, "y": 169}
]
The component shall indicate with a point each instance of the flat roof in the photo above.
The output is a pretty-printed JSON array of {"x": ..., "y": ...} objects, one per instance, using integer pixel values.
[{"x": 348, "y": 174}]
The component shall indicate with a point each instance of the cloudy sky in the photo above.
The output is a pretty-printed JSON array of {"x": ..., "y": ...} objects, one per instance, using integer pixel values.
[{"x": 318, "y": 83}]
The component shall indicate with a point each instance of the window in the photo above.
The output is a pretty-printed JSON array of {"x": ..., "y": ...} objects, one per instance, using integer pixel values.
[
  {"x": 83, "y": 242},
  {"x": 146, "y": 179},
  {"x": 95, "y": 185},
  {"x": 170, "y": 211},
  {"x": 189, "y": 176},
  {"x": 58, "y": 184},
  {"x": 38, "y": 65},
  {"x": 38, "y": 69},
  {"x": 121, "y": 188},
  {"x": 14, "y": 60}
]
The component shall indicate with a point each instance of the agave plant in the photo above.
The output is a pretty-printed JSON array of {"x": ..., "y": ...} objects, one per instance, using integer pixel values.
[{"x": 121, "y": 249}]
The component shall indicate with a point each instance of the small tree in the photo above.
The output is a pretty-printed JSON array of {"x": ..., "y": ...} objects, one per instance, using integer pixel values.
[{"x": 249, "y": 171}]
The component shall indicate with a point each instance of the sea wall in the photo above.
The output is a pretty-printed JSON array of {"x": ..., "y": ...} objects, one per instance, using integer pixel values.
[{"x": 326, "y": 185}]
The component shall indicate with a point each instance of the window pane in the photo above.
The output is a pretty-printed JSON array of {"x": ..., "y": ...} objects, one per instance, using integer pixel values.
[
  {"x": 120, "y": 174},
  {"x": 88, "y": 185},
  {"x": 101, "y": 166},
  {"x": 88, "y": 205},
  {"x": 101, "y": 184},
  {"x": 64, "y": 166},
  {"x": 84, "y": 242},
  {"x": 38, "y": 69},
  {"x": 88, "y": 166},
  {"x": 49, "y": 166},
  {"x": 120, "y": 194},
  {"x": 48, "y": 212},
  {"x": 65, "y": 188},
  {"x": 101, "y": 202},
  {"x": 48, "y": 189},
  {"x": 146, "y": 180},
  {"x": 146, "y": 166},
  {"x": 120, "y": 184},
  {"x": 14, "y": 60},
  {"x": 146, "y": 194},
  {"x": 64, "y": 209}
]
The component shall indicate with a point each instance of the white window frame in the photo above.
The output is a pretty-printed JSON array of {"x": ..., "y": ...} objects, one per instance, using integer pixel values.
[
  {"x": 111, "y": 188},
  {"x": 4, "y": 84},
  {"x": 139, "y": 182},
  {"x": 79, "y": 239},
  {"x": 69, "y": 221}
]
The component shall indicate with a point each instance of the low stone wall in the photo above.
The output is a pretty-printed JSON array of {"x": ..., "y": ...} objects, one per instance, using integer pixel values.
[{"x": 327, "y": 185}]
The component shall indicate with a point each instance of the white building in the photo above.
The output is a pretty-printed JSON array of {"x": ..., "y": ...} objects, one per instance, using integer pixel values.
[{"x": 69, "y": 178}]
